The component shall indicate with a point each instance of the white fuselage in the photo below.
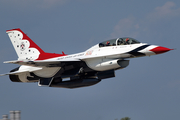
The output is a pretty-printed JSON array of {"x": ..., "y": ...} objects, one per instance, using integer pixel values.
[{"x": 105, "y": 58}]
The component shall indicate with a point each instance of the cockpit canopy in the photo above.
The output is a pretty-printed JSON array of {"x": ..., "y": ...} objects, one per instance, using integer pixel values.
[{"x": 119, "y": 41}]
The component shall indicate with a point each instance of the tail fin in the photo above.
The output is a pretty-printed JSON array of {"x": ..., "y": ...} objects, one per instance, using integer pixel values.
[{"x": 25, "y": 48}]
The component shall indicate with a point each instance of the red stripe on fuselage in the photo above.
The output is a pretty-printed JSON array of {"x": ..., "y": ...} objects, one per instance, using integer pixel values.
[{"x": 44, "y": 56}]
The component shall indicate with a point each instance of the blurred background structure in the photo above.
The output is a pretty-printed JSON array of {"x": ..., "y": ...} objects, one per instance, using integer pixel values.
[{"x": 14, "y": 115}]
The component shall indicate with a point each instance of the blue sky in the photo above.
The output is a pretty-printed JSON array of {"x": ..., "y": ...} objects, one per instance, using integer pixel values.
[{"x": 147, "y": 89}]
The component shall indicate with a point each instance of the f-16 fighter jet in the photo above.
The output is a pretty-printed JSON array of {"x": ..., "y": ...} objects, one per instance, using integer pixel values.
[{"x": 76, "y": 70}]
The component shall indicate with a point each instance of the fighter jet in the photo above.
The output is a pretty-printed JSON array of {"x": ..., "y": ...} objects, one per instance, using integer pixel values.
[{"x": 76, "y": 70}]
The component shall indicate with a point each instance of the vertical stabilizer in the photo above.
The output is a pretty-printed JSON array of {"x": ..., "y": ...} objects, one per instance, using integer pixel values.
[{"x": 25, "y": 48}]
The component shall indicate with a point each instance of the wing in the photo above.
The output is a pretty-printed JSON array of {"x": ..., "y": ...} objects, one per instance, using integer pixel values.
[
  {"x": 38, "y": 65},
  {"x": 46, "y": 63}
]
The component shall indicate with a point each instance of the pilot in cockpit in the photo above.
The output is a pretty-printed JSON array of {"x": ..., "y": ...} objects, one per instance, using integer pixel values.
[
  {"x": 127, "y": 41},
  {"x": 108, "y": 43}
]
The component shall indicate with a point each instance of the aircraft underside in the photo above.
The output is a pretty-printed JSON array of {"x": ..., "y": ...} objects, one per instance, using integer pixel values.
[{"x": 71, "y": 75}]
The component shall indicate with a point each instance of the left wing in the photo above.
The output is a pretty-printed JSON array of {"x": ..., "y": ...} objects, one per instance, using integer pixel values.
[{"x": 46, "y": 63}]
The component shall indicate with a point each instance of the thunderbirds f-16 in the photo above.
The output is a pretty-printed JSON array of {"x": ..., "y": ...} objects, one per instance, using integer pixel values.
[{"x": 76, "y": 70}]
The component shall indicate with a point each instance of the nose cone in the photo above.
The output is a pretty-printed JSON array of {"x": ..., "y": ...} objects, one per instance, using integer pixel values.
[{"x": 159, "y": 50}]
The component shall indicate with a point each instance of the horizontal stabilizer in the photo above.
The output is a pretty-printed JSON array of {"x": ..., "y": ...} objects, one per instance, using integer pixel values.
[{"x": 22, "y": 71}]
